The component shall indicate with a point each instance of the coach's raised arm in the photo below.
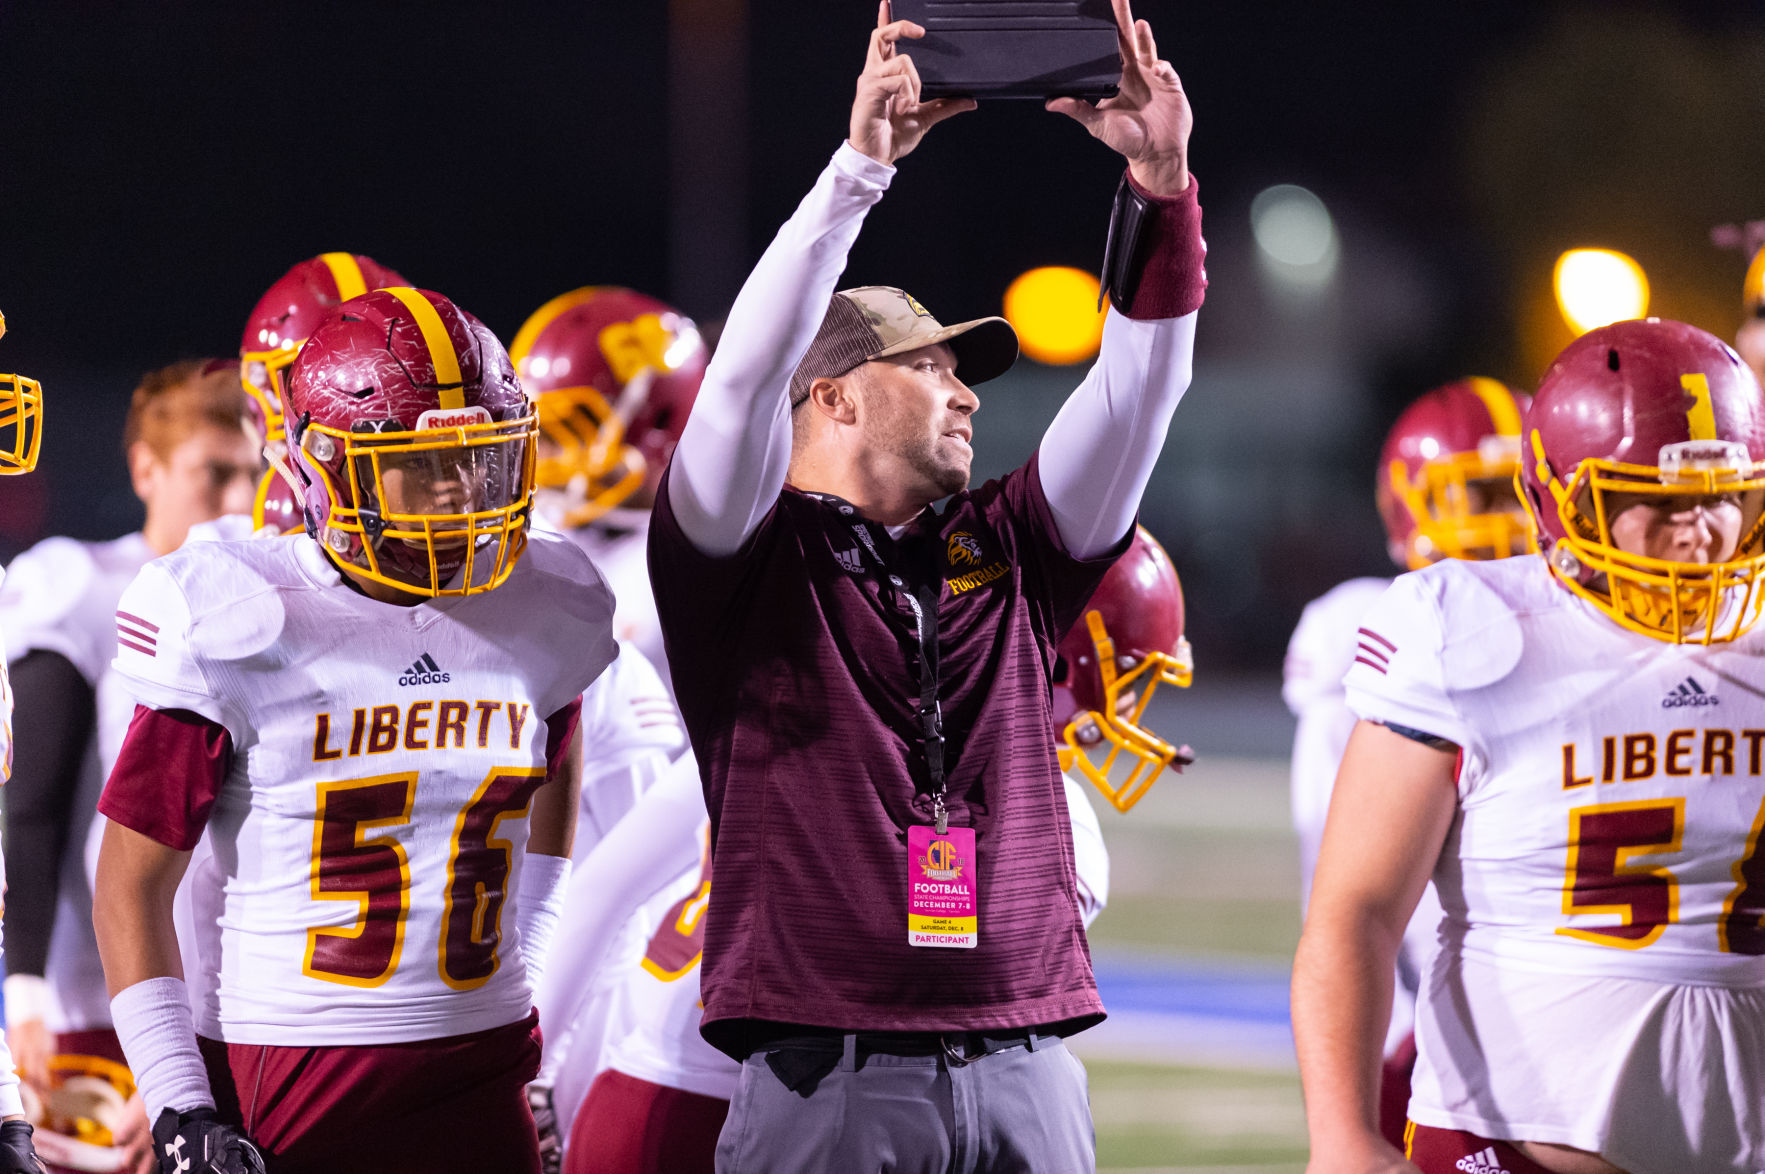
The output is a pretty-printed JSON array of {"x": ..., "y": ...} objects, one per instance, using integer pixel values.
[{"x": 865, "y": 678}]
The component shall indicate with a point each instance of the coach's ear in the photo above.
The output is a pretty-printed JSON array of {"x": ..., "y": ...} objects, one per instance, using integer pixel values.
[{"x": 833, "y": 399}]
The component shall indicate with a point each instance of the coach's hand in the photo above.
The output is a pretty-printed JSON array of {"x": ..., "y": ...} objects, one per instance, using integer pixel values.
[
  {"x": 888, "y": 119},
  {"x": 1149, "y": 120}
]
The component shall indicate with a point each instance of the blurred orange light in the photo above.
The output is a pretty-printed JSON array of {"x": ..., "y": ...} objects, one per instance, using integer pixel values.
[
  {"x": 1597, "y": 287},
  {"x": 1054, "y": 311}
]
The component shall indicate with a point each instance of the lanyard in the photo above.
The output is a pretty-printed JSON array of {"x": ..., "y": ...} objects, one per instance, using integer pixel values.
[{"x": 923, "y": 601}]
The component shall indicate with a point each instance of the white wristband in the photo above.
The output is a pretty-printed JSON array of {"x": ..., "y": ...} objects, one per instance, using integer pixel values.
[
  {"x": 539, "y": 904},
  {"x": 27, "y": 999},
  {"x": 158, "y": 1034}
]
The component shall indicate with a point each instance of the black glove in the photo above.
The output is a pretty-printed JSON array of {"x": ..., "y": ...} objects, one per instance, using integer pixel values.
[
  {"x": 198, "y": 1143},
  {"x": 17, "y": 1154},
  {"x": 545, "y": 1119}
]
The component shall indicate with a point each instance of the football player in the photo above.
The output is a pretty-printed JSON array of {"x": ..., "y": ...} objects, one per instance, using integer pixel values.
[
  {"x": 21, "y": 438},
  {"x": 375, "y": 725},
  {"x": 1749, "y": 340},
  {"x": 189, "y": 461},
  {"x": 613, "y": 374},
  {"x": 1569, "y": 745},
  {"x": 1445, "y": 489}
]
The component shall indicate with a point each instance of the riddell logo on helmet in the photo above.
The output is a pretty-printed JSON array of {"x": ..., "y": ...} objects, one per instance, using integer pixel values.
[{"x": 453, "y": 418}]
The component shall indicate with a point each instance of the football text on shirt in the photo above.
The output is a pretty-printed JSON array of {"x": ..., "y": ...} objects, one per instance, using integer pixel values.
[
  {"x": 1633, "y": 757},
  {"x": 420, "y": 725}
]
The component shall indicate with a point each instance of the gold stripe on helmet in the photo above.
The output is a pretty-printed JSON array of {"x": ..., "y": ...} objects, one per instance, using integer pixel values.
[
  {"x": 346, "y": 273},
  {"x": 1754, "y": 291},
  {"x": 544, "y": 317},
  {"x": 441, "y": 348},
  {"x": 1701, "y": 416},
  {"x": 1499, "y": 402}
]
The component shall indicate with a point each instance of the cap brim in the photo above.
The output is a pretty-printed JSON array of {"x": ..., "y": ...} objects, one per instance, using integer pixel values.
[{"x": 985, "y": 348}]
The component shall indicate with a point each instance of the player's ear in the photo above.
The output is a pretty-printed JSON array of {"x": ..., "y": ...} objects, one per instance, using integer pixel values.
[{"x": 144, "y": 468}]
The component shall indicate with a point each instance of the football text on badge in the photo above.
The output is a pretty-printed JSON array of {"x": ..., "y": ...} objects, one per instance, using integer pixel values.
[{"x": 942, "y": 907}]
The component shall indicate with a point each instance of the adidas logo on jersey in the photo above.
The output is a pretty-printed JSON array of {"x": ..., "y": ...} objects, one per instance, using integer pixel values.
[
  {"x": 424, "y": 672},
  {"x": 1688, "y": 693},
  {"x": 1481, "y": 1162}
]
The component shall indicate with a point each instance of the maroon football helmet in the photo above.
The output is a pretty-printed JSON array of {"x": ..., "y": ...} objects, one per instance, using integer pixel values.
[
  {"x": 413, "y": 443},
  {"x": 1128, "y": 642},
  {"x": 287, "y": 314},
  {"x": 1641, "y": 409},
  {"x": 1446, "y": 476},
  {"x": 613, "y": 374}
]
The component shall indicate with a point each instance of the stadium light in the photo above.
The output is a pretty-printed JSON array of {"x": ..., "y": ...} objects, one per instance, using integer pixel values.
[
  {"x": 1054, "y": 311},
  {"x": 1295, "y": 235},
  {"x": 1597, "y": 287}
]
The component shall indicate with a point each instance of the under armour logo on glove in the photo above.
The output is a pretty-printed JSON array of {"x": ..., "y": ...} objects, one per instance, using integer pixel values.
[
  {"x": 17, "y": 1154},
  {"x": 197, "y": 1142}
]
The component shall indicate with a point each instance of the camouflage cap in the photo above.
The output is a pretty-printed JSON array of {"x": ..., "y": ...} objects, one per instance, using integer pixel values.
[{"x": 875, "y": 321}]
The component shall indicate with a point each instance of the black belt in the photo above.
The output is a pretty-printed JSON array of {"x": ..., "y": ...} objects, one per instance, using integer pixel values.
[{"x": 800, "y": 1056}]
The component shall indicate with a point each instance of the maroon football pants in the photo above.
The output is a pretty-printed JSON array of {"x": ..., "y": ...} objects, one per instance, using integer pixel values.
[
  {"x": 630, "y": 1126},
  {"x": 1394, "y": 1090},
  {"x": 1451, "y": 1151},
  {"x": 443, "y": 1106}
]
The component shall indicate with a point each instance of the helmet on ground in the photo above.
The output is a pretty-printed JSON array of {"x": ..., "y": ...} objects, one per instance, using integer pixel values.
[
  {"x": 1128, "y": 641},
  {"x": 413, "y": 444},
  {"x": 287, "y": 314},
  {"x": 613, "y": 374},
  {"x": 1446, "y": 476},
  {"x": 1639, "y": 411},
  {"x": 75, "y": 1125},
  {"x": 21, "y": 420}
]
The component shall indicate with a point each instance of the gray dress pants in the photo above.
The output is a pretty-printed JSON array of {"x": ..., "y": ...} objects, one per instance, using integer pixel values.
[{"x": 1025, "y": 1108}]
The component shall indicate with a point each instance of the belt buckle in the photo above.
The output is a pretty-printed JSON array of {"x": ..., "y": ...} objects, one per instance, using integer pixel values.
[{"x": 956, "y": 1058}]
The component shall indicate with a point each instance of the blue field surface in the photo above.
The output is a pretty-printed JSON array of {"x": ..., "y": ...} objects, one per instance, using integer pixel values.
[{"x": 1183, "y": 1010}]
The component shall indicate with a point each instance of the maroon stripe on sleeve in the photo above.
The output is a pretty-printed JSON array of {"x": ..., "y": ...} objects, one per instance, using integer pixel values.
[
  {"x": 127, "y": 643},
  {"x": 560, "y": 727},
  {"x": 138, "y": 621},
  {"x": 170, "y": 769},
  {"x": 1368, "y": 632},
  {"x": 1375, "y": 665}
]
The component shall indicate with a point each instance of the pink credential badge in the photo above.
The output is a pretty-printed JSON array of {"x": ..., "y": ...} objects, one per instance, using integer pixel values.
[{"x": 942, "y": 908}]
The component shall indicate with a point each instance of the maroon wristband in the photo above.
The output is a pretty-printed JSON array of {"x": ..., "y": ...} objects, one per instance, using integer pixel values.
[{"x": 1155, "y": 262}]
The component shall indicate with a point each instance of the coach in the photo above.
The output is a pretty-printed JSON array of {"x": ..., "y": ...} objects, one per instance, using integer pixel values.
[{"x": 866, "y": 679}]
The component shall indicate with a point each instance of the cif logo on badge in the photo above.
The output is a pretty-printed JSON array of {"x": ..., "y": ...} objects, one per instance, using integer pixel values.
[
  {"x": 941, "y": 861},
  {"x": 963, "y": 549}
]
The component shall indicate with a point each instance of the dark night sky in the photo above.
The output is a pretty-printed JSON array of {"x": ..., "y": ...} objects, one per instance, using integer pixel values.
[{"x": 161, "y": 164}]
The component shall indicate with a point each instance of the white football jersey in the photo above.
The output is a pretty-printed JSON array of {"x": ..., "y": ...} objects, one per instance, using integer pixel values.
[
  {"x": 1602, "y": 957},
  {"x": 61, "y": 596},
  {"x": 1321, "y": 651},
  {"x": 622, "y": 554},
  {"x": 373, "y": 820}
]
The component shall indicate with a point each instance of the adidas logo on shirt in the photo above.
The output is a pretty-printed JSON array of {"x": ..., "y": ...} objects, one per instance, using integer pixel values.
[
  {"x": 424, "y": 672},
  {"x": 1481, "y": 1162},
  {"x": 1688, "y": 693}
]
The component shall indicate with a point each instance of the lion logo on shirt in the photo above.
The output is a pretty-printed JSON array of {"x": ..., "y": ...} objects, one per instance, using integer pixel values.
[{"x": 963, "y": 550}]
